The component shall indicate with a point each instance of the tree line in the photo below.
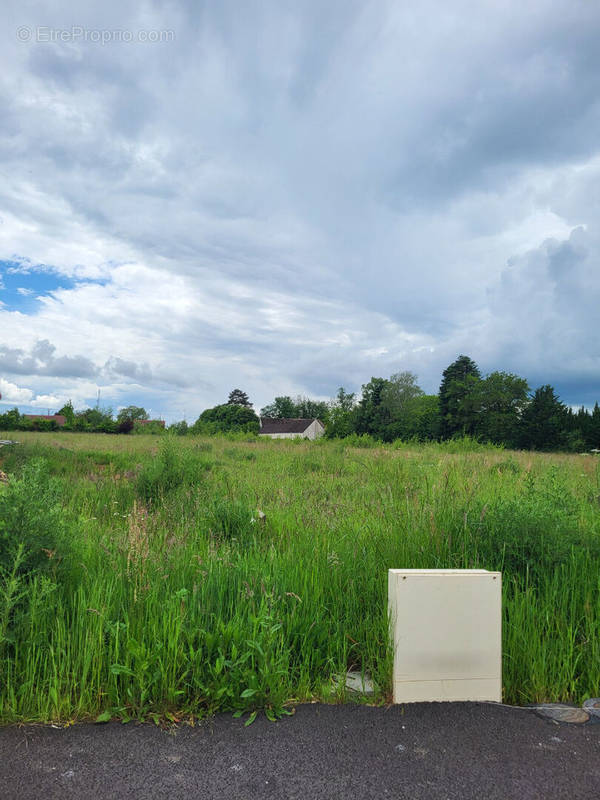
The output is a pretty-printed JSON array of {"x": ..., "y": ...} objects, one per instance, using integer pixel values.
[
  {"x": 86, "y": 420},
  {"x": 498, "y": 408}
]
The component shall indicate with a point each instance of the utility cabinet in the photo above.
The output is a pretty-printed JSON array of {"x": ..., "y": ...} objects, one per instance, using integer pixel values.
[{"x": 447, "y": 634}]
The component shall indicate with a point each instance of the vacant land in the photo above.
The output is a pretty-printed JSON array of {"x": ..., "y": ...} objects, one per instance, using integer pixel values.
[{"x": 159, "y": 576}]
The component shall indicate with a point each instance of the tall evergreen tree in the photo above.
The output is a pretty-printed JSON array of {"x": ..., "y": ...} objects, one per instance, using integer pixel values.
[
  {"x": 460, "y": 398},
  {"x": 238, "y": 398},
  {"x": 544, "y": 422},
  {"x": 372, "y": 415},
  {"x": 593, "y": 437}
]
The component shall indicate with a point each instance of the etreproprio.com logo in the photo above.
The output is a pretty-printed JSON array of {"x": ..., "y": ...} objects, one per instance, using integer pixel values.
[{"x": 78, "y": 33}]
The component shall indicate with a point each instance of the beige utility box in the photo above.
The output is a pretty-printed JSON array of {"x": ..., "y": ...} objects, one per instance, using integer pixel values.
[{"x": 447, "y": 634}]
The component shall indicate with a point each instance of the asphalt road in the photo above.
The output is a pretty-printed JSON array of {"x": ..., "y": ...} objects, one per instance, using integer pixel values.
[{"x": 458, "y": 750}]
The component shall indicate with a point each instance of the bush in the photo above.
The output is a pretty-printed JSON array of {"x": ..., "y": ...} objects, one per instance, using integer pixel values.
[
  {"x": 532, "y": 534},
  {"x": 125, "y": 426},
  {"x": 458, "y": 445},
  {"x": 170, "y": 471},
  {"x": 31, "y": 520},
  {"x": 154, "y": 427}
]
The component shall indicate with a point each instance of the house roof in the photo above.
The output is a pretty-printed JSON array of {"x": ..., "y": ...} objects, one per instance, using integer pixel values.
[{"x": 297, "y": 425}]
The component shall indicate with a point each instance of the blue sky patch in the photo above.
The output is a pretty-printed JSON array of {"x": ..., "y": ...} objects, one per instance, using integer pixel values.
[{"x": 21, "y": 285}]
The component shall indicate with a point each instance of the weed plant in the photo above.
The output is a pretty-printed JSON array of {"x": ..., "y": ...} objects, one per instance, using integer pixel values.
[{"x": 169, "y": 594}]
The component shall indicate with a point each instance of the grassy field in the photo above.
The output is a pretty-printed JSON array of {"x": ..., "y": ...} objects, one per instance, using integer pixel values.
[{"x": 151, "y": 585}]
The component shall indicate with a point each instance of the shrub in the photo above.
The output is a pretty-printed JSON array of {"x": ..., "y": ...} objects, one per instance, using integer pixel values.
[
  {"x": 532, "y": 534},
  {"x": 170, "y": 471},
  {"x": 31, "y": 520},
  {"x": 154, "y": 427}
]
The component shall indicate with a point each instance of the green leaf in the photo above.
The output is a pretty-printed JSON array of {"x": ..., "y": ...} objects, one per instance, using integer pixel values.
[
  {"x": 250, "y": 719},
  {"x": 248, "y": 693},
  {"x": 120, "y": 669},
  {"x": 106, "y": 716}
]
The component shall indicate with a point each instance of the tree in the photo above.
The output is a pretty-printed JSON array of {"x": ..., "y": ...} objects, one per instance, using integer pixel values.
[
  {"x": 372, "y": 415},
  {"x": 502, "y": 399},
  {"x": 424, "y": 421},
  {"x": 125, "y": 426},
  {"x": 68, "y": 412},
  {"x": 238, "y": 398},
  {"x": 280, "y": 408},
  {"x": 399, "y": 400},
  {"x": 95, "y": 419},
  {"x": 543, "y": 425},
  {"x": 339, "y": 423},
  {"x": 400, "y": 391},
  {"x": 300, "y": 408},
  {"x": 132, "y": 413},
  {"x": 179, "y": 428},
  {"x": 389, "y": 408},
  {"x": 10, "y": 420},
  {"x": 593, "y": 437},
  {"x": 227, "y": 417},
  {"x": 459, "y": 398},
  {"x": 305, "y": 408}
]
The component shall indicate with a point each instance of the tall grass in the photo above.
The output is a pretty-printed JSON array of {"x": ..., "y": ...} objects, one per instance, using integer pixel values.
[{"x": 174, "y": 595}]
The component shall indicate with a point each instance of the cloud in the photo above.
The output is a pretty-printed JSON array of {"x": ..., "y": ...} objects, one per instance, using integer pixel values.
[
  {"x": 551, "y": 296},
  {"x": 288, "y": 198},
  {"x": 40, "y": 360},
  {"x": 11, "y": 393}
]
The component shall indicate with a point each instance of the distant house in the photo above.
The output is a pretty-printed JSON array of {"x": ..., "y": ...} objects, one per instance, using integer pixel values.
[
  {"x": 291, "y": 428},
  {"x": 58, "y": 418}
]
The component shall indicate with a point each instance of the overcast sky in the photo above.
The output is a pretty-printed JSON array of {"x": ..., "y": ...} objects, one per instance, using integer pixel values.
[{"x": 288, "y": 197}]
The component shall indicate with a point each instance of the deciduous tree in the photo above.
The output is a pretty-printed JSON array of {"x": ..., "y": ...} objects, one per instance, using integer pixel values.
[
  {"x": 226, "y": 417},
  {"x": 502, "y": 399},
  {"x": 132, "y": 413},
  {"x": 281, "y": 408}
]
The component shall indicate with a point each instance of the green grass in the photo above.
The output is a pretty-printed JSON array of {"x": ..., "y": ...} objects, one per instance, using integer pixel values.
[{"x": 162, "y": 592}]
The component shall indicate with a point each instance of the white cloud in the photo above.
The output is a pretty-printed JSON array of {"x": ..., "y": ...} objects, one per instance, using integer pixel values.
[
  {"x": 290, "y": 198},
  {"x": 11, "y": 393}
]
